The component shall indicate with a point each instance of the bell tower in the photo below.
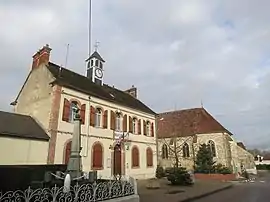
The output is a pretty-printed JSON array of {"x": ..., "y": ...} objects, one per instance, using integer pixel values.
[{"x": 95, "y": 68}]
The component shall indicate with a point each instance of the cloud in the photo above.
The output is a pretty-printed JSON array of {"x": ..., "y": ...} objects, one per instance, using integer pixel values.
[{"x": 176, "y": 52}]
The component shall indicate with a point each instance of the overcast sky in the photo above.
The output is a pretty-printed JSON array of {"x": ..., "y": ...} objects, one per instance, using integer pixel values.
[{"x": 177, "y": 52}]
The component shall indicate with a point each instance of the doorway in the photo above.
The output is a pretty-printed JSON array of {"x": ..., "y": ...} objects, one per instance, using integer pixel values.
[{"x": 117, "y": 160}]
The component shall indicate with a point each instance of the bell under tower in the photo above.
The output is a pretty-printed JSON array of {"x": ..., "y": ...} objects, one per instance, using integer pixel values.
[{"x": 95, "y": 68}]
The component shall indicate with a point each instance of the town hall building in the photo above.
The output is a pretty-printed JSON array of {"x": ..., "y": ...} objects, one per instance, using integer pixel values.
[{"x": 51, "y": 92}]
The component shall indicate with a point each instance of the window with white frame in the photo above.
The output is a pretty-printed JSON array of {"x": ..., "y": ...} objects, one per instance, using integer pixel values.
[
  {"x": 118, "y": 122},
  {"x": 134, "y": 126},
  {"x": 98, "y": 117},
  {"x": 148, "y": 128},
  {"x": 73, "y": 106}
]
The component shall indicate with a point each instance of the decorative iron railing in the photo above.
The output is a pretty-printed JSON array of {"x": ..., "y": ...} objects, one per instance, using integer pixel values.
[{"x": 79, "y": 193}]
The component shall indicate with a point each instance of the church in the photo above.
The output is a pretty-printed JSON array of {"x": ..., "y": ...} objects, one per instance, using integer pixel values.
[{"x": 108, "y": 116}]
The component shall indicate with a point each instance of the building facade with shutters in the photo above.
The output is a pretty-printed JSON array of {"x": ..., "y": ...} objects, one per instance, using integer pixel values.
[
  {"x": 180, "y": 133},
  {"x": 50, "y": 93}
]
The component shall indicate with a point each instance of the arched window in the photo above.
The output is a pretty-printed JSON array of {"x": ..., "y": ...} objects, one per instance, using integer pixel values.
[
  {"x": 164, "y": 151},
  {"x": 148, "y": 128},
  {"x": 118, "y": 122},
  {"x": 67, "y": 152},
  {"x": 185, "y": 150},
  {"x": 135, "y": 157},
  {"x": 72, "y": 108},
  {"x": 97, "y": 156},
  {"x": 134, "y": 126},
  {"x": 149, "y": 157},
  {"x": 212, "y": 148},
  {"x": 98, "y": 117}
]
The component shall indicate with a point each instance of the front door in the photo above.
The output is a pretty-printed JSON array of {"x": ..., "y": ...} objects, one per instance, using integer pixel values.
[{"x": 117, "y": 162}]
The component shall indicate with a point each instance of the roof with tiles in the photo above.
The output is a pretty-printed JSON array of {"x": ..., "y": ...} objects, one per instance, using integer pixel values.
[{"x": 187, "y": 122}]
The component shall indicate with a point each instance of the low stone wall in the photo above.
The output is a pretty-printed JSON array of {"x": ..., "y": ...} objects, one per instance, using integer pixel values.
[{"x": 221, "y": 177}]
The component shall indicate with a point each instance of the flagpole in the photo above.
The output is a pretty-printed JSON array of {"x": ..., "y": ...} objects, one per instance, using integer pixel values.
[{"x": 90, "y": 28}]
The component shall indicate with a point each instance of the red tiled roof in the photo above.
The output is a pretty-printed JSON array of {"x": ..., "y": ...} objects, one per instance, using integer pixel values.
[
  {"x": 187, "y": 122},
  {"x": 241, "y": 144}
]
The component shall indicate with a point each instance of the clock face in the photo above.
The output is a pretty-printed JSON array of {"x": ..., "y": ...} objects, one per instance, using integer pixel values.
[{"x": 98, "y": 73}]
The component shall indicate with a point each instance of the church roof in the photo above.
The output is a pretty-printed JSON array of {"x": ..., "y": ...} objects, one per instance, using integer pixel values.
[
  {"x": 241, "y": 144},
  {"x": 21, "y": 126},
  {"x": 187, "y": 122},
  {"x": 96, "y": 55},
  {"x": 81, "y": 83}
]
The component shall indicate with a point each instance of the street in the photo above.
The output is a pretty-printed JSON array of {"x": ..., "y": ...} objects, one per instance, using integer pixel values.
[{"x": 257, "y": 191}]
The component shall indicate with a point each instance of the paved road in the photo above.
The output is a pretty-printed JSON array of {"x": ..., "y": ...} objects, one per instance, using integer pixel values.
[{"x": 258, "y": 191}]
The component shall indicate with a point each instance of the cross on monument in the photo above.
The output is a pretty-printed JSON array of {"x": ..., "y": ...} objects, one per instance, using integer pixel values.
[{"x": 96, "y": 45}]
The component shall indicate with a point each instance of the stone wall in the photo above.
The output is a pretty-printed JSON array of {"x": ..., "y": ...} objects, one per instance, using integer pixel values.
[{"x": 221, "y": 140}]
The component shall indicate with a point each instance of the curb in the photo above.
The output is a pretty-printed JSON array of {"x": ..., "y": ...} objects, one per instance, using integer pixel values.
[{"x": 207, "y": 194}]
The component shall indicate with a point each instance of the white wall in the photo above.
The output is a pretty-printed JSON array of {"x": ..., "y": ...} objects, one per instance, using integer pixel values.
[{"x": 16, "y": 151}]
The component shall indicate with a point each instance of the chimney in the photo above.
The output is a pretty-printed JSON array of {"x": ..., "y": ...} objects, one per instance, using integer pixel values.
[
  {"x": 132, "y": 91},
  {"x": 41, "y": 57}
]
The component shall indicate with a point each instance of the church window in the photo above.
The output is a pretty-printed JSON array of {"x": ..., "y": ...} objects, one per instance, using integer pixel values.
[
  {"x": 97, "y": 156},
  {"x": 135, "y": 157},
  {"x": 92, "y": 63},
  {"x": 98, "y": 117},
  {"x": 149, "y": 157},
  {"x": 185, "y": 150},
  {"x": 165, "y": 151},
  {"x": 212, "y": 148}
]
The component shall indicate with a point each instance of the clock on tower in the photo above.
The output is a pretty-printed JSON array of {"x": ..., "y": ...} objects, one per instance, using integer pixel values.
[{"x": 95, "y": 68}]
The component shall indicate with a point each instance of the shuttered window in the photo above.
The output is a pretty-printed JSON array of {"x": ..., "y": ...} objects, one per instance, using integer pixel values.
[
  {"x": 135, "y": 157},
  {"x": 149, "y": 157},
  {"x": 67, "y": 152},
  {"x": 97, "y": 156}
]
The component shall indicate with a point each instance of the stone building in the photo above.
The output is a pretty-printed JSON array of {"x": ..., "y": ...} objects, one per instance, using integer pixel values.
[
  {"x": 50, "y": 93},
  {"x": 180, "y": 133}
]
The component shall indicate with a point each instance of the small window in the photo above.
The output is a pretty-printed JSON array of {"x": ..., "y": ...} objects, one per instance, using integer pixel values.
[
  {"x": 100, "y": 64},
  {"x": 212, "y": 148},
  {"x": 185, "y": 150},
  {"x": 73, "y": 106},
  {"x": 164, "y": 151},
  {"x": 118, "y": 122},
  {"x": 134, "y": 126},
  {"x": 148, "y": 128},
  {"x": 98, "y": 117},
  {"x": 96, "y": 63},
  {"x": 92, "y": 63},
  {"x": 171, "y": 141}
]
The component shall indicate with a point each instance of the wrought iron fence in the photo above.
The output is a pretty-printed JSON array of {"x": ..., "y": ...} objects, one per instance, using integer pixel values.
[{"x": 79, "y": 193}]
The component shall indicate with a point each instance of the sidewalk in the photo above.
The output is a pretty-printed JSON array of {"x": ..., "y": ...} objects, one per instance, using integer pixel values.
[{"x": 180, "y": 194}]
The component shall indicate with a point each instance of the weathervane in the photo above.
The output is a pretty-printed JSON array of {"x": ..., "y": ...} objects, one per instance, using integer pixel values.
[{"x": 96, "y": 45}]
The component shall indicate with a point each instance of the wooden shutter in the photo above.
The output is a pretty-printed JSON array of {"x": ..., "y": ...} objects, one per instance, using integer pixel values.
[
  {"x": 125, "y": 123},
  {"x": 97, "y": 160},
  {"x": 135, "y": 157},
  {"x": 130, "y": 124},
  {"x": 139, "y": 127},
  {"x": 66, "y": 109},
  {"x": 112, "y": 120},
  {"x": 144, "y": 127},
  {"x": 152, "y": 129},
  {"x": 105, "y": 119},
  {"x": 82, "y": 113},
  {"x": 67, "y": 152},
  {"x": 92, "y": 116},
  {"x": 149, "y": 157}
]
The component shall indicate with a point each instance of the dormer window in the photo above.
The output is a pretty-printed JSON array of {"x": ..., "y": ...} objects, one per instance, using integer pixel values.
[
  {"x": 73, "y": 106},
  {"x": 118, "y": 122},
  {"x": 98, "y": 117},
  {"x": 134, "y": 126}
]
